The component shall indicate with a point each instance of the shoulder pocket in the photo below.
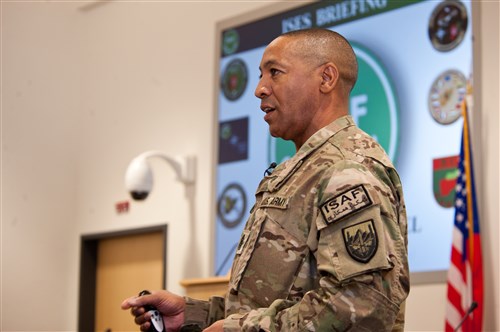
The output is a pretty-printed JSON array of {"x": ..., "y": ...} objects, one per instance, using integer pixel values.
[{"x": 354, "y": 245}]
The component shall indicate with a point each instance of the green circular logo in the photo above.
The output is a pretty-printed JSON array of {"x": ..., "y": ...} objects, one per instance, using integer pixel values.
[
  {"x": 373, "y": 102},
  {"x": 230, "y": 42},
  {"x": 373, "y": 106}
]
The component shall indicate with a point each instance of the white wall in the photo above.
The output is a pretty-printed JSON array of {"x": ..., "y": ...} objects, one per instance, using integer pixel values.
[
  {"x": 87, "y": 88},
  {"x": 38, "y": 222}
]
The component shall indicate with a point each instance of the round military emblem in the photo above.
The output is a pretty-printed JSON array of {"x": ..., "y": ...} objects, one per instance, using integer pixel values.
[
  {"x": 447, "y": 25},
  {"x": 446, "y": 96},
  {"x": 234, "y": 79},
  {"x": 230, "y": 41},
  {"x": 231, "y": 205}
]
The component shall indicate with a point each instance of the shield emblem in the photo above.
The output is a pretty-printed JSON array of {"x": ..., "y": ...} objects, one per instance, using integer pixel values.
[
  {"x": 445, "y": 173},
  {"x": 361, "y": 241}
]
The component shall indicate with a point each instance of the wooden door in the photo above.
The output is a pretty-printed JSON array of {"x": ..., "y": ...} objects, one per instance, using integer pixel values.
[{"x": 125, "y": 263}]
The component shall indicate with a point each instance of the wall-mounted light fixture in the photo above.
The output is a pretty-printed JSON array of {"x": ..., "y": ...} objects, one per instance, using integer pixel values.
[{"x": 139, "y": 176}]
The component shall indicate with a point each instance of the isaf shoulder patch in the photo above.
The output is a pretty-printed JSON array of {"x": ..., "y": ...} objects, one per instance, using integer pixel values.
[
  {"x": 346, "y": 203},
  {"x": 361, "y": 241}
]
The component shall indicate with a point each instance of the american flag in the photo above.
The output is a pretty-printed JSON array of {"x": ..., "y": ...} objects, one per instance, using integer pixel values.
[{"x": 464, "y": 308}]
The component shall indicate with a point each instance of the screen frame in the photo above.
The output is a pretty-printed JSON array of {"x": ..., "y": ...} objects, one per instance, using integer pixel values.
[{"x": 268, "y": 10}]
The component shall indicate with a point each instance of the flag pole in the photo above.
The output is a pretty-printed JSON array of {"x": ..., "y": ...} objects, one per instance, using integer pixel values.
[{"x": 470, "y": 212}]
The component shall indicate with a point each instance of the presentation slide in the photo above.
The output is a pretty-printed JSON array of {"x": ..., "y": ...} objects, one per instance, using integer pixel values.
[{"x": 415, "y": 62}]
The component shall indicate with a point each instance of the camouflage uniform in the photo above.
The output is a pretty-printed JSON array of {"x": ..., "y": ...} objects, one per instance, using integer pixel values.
[{"x": 325, "y": 247}]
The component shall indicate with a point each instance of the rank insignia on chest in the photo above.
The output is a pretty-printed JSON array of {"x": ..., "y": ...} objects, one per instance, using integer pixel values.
[
  {"x": 361, "y": 241},
  {"x": 345, "y": 204}
]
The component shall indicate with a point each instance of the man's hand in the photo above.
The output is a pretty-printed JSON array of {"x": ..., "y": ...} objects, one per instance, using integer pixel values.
[
  {"x": 215, "y": 327},
  {"x": 171, "y": 307}
]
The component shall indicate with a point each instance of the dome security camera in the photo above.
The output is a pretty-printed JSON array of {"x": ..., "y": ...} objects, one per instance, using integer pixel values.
[
  {"x": 139, "y": 176},
  {"x": 139, "y": 179}
]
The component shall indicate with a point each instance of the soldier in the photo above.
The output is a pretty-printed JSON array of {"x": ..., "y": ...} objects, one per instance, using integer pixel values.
[{"x": 325, "y": 246}]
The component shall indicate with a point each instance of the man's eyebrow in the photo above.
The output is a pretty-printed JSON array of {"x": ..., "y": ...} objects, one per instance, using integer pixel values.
[{"x": 269, "y": 63}]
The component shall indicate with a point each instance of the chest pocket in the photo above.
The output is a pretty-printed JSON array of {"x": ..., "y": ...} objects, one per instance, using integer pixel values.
[{"x": 267, "y": 263}]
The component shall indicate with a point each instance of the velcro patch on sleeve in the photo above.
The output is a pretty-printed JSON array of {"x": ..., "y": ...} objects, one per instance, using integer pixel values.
[
  {"x": 346, "y": 203},
  {"x": 361, "y": 241},
  {"x": 243, "y": 240}
]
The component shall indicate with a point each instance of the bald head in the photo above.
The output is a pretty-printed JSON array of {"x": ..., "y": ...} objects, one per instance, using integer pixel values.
[{"x": 320, "y": 46}]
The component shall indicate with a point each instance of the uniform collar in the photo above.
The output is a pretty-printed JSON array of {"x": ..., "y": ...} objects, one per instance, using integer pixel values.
[
  {"x": 284, "y": 170},
  {"x": 324, "y": 134}
]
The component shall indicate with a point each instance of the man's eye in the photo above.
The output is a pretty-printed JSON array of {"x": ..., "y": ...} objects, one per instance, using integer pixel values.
[{"x": 274, "y": 72}]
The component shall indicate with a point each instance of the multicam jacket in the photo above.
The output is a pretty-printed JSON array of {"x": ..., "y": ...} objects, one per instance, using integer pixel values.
[{"x": 325, "y": 246}]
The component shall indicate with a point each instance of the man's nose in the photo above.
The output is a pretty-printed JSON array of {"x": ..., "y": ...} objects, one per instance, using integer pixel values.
[{"x": 262, "y": 90}]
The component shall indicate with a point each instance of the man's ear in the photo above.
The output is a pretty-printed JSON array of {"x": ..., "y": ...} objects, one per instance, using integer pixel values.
[{"x": 329, "y": 77}]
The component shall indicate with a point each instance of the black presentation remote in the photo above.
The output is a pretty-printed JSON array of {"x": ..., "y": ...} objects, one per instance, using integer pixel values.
[{"x": 156, "y": 318}]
